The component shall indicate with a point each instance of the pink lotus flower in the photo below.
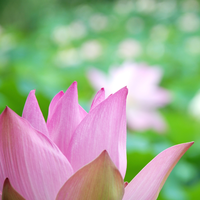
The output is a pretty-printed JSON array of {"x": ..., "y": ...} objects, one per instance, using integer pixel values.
[
  {"x": 75, "y": 155},
  {"x": 144, "y": 94}
]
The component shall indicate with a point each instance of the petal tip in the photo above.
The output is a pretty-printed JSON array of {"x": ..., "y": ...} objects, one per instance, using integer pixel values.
[
  {"x": 73, "y": 86},
  {"x": 7, "y": 110},
  {"x": 32, "y": 91},
  {"x": 124, "y": 91},
  {"x": 104, "y": 153},
  {"x": 187, "y": 144},
  {"x": 9, "y": 192},
  {"x": 190, "y": 143},
  {"x": 61, "y": 92},
  {"x": 74, "y": 83},
  {"x": 6, "y": 182}
]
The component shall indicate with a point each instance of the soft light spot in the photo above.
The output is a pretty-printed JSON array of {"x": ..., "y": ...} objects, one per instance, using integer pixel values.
[
  {"x": 135, "y": 25},
  {"x": 124, "y": 7},
  {"x": 159, "y": 32},
  {"x": 91, "y": 50},
  {"x": 193, "y": 45},
  {"x": 188, "y": 22},
  {"x": 66, "y": 58},
  {"x": 98, "y": 22},
  {"x": 129, "y": 48},
  {"x": 146, "y": 6},
  {"x": 155, "y": 49},
  {"x": 60, "y": 35}
]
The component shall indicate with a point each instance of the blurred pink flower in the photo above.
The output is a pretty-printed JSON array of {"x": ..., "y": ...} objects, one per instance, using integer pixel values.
[
  {"x": 144, "y": 97},
  {"x": 75, "y": 155}
]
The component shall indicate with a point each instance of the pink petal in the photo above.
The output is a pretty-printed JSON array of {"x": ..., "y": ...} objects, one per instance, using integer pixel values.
[
  {"x": 9, "y": 193},
  {"x": 104, "y": 128},
  {"x": 148, "y": 183},
  {"x": 82, "y": 112},
  {"x": 154, "y": 97},
  {"x": 33, "y": 114},
  {"x": 53, "y": 103},
  {"x": 150, "y": 75},
  {"x": 99, "y": 180},
  {"x": 144, "y": 119},
  {"x": 99, "y": 97},
  {"x": 65, "y": 117},
  {"x": 35, "y": 166}
]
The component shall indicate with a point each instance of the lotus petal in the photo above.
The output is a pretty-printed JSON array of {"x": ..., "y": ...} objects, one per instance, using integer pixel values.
[
  {"x": 35, "y": 166},
  {"x": 53, "y": 103},
  {"x": 98, "y": 180},
  {"x": 104, "y": 128},
  {"x": 83, "y": 113},
  {"x": 33, "y": 114},
  {"x": 99, "y": 97},
  {"x": 64, "y": 118},
  {"x": 148, "y": 183}
]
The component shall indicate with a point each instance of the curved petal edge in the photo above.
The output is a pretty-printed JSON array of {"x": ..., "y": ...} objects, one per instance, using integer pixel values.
[
  {"x": 104, "y": 128},
  {"x": 9, "y": 193},
  {"x": 33, "y": 114},
  {"x": 98, "y": 180},
  {"x": 148, "y": 183}
]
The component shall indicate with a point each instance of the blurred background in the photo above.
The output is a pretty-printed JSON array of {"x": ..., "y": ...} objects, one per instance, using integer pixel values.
[{"x": 46, "y": 45}]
